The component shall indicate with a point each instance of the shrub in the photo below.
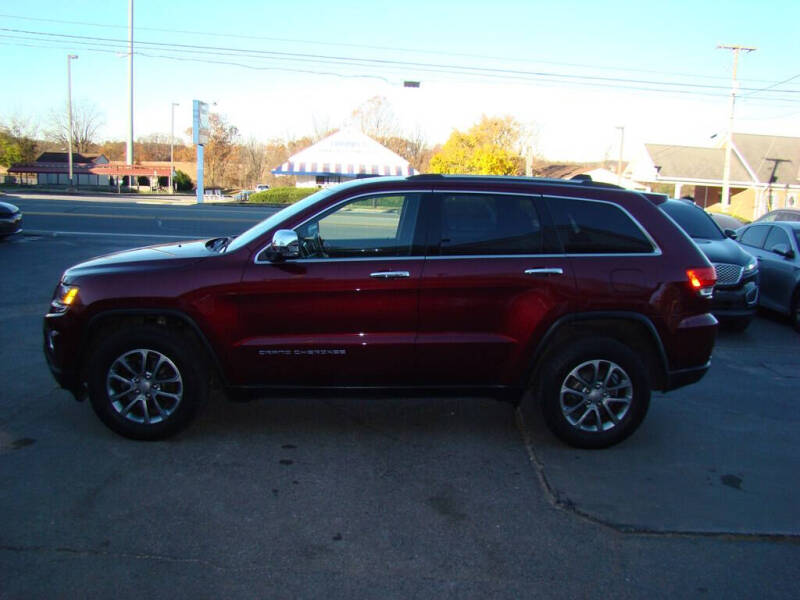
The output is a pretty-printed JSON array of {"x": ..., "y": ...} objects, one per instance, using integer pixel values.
[
  {"x": 182, "y": 182},
  {"x": 283, "y": 195}
]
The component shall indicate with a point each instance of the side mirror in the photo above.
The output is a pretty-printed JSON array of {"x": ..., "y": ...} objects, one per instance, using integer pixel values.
[
  {"x": 731, "y": 234},
  {"x": 783, "y": 250},
  {"x": 285, "y": 244}
]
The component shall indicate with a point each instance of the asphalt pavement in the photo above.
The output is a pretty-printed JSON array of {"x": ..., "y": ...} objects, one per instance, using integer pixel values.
[{"x": 386, "y": 497}]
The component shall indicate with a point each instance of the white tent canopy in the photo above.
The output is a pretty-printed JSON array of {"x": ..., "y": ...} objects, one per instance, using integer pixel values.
[{"x": 347, "y": 154}]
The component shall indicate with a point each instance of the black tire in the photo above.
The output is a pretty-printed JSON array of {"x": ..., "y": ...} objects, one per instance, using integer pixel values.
[
  {"x": 794, "y": 310},
  {"x": 606, "y": 392},
  {"x": 148, "y": 382}
]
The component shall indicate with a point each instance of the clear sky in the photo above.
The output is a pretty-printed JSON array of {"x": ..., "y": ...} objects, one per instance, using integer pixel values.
[{"x": 572, "y": 70}]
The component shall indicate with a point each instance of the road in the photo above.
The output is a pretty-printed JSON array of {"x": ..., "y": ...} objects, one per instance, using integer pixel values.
[
  {"x": 100, "y": 215},
  {"x": 384, "y": 497}
]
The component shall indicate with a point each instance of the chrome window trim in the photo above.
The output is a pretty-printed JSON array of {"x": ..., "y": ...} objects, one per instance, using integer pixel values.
[
  {"x": 533, "y": 195},
  {"x": 346, "y": 200}
]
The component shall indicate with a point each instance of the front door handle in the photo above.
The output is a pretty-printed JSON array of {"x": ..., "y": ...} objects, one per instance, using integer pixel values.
[
  {"x": 545, "y": 272},
  {"x": 390, "y": 274}
]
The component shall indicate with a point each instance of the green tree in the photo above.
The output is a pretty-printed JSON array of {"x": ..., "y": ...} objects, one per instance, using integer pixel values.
[
  {"x": 182, "y": 181},
  {"x": 490, "y": 147},
  {"x": 15, "y": 146}
]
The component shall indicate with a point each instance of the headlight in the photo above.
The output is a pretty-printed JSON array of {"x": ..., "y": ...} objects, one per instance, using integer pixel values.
[
  {"x": 65, "y": 296},
  {"x": 751, "y": 266}
]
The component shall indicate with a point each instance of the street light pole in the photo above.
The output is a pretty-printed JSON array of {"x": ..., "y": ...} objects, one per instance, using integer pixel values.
[
  {"x": 172, "y": 146},
  {"x": 129, "y": 145},
  {"x": 69, "y": 113},
  {"x": 619, "y": 162}
]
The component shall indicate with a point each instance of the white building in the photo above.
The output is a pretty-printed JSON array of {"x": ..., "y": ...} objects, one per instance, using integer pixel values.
[{"x": 343, "y": 156}]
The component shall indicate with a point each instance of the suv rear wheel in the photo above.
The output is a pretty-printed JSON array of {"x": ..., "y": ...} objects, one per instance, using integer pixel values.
[
  {"x": 594, "y": 393},
  {"x": 146, "y": 383}
]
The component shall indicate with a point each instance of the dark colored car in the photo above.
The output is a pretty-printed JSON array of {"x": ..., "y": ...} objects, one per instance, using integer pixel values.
[
  {"x": 726, "y": 222},
  {"x": 584, "y": 294},
  {"x": 777, "y": 247},
  {"x": 10, "y": 219},
  {"x": 781, "y": 214},
  {"x": 735, "y": 300}
]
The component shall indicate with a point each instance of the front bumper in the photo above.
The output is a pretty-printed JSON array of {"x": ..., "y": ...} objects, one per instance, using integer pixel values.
[
  {"x": 729, "y": 303},
  {"x": 11, "y": 225},
  {"x": 62, "y": 364}
]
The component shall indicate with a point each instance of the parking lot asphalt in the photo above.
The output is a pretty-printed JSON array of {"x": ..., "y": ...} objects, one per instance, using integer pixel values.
[{"x": 393, "y": 498}]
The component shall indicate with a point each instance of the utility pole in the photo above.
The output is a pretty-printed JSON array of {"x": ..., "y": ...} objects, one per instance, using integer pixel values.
[
  {"x": 772, "y": 179},
  {"x": 726, "y": 169},
  {"x": 129, "y": 148},
  {"x": 619, "y": 162},
  {"x": 172, "y": 147},
  {"x": 69, "y": 113}
]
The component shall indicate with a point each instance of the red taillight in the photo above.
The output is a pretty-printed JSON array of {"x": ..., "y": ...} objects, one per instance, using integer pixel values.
[{"x": 702, "y": 280}]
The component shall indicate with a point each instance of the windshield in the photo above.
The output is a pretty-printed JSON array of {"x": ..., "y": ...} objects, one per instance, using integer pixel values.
[
  {"x": 260, "y": 228},
  {"x": 693, "y": 220}
]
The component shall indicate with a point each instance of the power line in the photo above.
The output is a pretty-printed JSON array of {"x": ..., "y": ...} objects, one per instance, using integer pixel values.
[
  {"x": 624, "y": 83},
  {"x": 366, "y": 47}
]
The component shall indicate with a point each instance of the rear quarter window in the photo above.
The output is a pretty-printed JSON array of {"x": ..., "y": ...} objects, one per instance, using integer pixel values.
[{"x": 596, "y": 227}]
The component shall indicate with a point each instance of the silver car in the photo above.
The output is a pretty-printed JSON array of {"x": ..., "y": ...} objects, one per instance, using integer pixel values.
[{"x": 776, "y": 245}]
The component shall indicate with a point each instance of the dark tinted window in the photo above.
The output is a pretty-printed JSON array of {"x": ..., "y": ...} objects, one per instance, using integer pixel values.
[
  {"x": 590, "y": 227},
  {"x": 754, "y": 236},
  {"x": 693, "y": 220},
  {"x": 776, "y": 236},
  {"x": 489, "y": 224}
]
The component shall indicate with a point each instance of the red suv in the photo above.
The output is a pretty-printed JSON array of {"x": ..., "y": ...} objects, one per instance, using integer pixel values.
[{"x": 585, "y": 294}]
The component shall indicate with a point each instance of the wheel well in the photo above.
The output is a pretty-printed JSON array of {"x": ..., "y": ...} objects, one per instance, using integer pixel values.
[
  {"x": 102, "y": 325},
  {"x": 631, "y": 332}
]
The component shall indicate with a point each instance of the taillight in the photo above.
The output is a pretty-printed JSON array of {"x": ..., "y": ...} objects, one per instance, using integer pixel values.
[{"x": 702, "y": 280}]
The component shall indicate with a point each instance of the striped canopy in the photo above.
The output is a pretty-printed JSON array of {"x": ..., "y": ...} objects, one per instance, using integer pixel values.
[{"x": 348, "y": 153}]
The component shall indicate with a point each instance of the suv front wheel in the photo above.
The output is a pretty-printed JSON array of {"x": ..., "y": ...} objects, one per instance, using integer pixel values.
[
  {"x": 146, "y": 383},
  {"x": 594, "y": 392}
]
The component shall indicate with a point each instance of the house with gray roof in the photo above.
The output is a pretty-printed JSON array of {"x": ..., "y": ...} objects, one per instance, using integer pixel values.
[{"x": 765, "y": 172}]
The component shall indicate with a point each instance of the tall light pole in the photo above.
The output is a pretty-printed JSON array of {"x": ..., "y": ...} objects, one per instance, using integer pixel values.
[
  {"x": 69, "y": 113},
  {"x": 619, "y": 162},
  {"x": 172, "y": 146},
  {"x": 129, "y": 148},
  {"x": 726, "y": 169}
]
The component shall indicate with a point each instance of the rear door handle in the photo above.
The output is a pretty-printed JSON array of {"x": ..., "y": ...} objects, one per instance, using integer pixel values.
[
  {"x": 390, "y": 274},
  {"x": 544, "y": 272}
]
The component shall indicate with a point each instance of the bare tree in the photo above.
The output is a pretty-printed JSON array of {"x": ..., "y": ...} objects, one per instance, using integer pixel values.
[
  {"x": 253, "y": 156},
  {"x": 154, "y": 146},
  {"x": 376, "y": 118},
  {"x": 86, "y": 121}
]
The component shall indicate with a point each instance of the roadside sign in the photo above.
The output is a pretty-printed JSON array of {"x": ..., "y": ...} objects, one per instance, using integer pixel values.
[{"x": 199, "y": 122}]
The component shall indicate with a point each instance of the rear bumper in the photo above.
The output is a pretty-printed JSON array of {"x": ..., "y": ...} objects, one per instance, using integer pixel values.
[{"x": 678, "y": 379}]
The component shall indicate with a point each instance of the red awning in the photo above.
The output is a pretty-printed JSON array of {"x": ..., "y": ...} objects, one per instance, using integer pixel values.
[{"x": 112, "y": 169}]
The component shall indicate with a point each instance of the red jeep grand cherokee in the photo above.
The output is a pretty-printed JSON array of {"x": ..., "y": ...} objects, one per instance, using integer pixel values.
[{"x": 585, "y": 294}]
